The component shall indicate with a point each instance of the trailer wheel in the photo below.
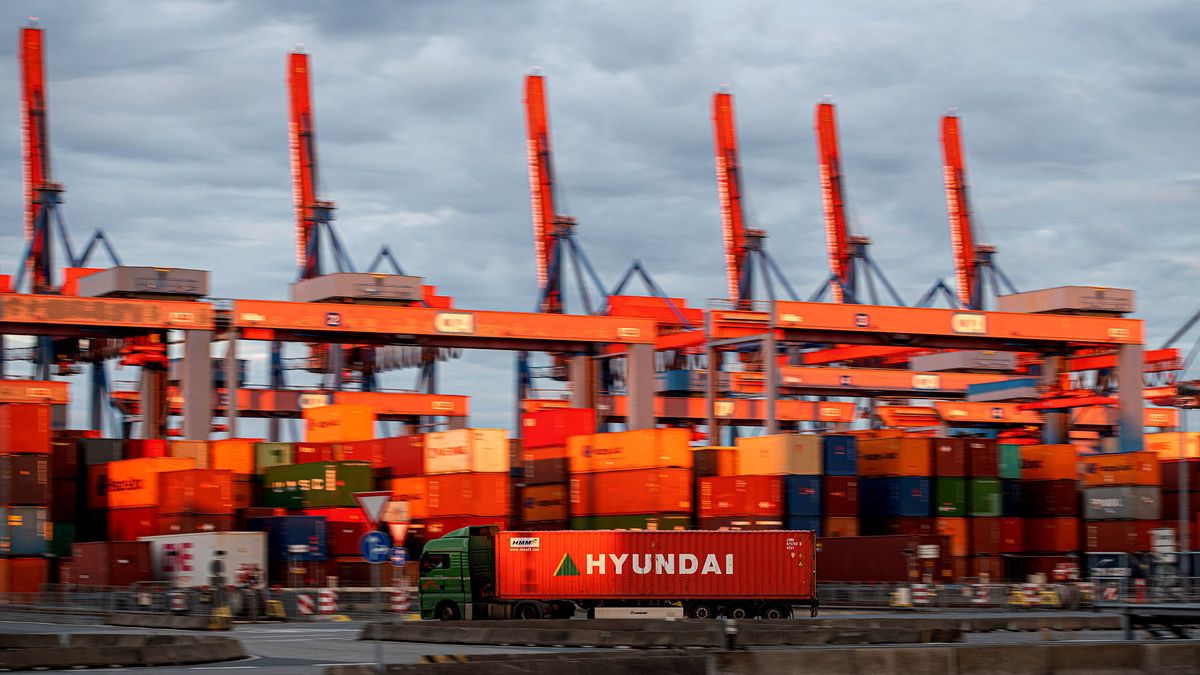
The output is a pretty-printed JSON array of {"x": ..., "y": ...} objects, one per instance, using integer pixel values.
[
  {"x": 447, "y": 611},
  {"x": 775, "y": 610},
  {"x": 527, "y": 611},
  {"x": 701, "y": 610},
  {"x": 739, "y": 610}
]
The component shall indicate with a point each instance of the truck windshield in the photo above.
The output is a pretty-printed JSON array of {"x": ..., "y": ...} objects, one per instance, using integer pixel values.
[{"x": 435, "y": 561}]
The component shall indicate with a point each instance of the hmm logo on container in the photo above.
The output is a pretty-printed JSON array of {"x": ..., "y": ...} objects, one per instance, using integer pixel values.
[
  {"x": 456, "y": 323},
  {"x": 974, "y": 324},
  {"x": 524, "y": 543}
]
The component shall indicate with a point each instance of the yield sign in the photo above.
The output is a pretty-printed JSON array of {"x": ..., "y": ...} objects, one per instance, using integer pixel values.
[{"x": 373, "y": 504}]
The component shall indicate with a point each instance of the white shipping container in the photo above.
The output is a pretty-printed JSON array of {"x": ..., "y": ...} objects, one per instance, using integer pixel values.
[
  {"x": 187, "y": 559},
  {"x": 466, "y": 450}
]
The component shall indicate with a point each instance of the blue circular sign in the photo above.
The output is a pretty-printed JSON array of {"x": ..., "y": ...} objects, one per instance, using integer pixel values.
[{"x": 376, "y": 547}]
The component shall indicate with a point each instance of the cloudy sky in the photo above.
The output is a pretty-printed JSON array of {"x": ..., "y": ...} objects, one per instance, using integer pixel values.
[{"x": 169, "y": 128}]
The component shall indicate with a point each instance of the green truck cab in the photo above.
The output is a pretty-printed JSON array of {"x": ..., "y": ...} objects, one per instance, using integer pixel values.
[{"x": 458, "y": 573}]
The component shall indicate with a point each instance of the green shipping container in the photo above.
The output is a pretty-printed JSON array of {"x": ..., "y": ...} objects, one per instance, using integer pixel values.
[
  {"x": 1010, "y": 460},
  {"x": 950, "y": 497},
  {"x": 986, "y": 497},
  {"x": 267, "y": 455},
  {"x": 657, "y": 521},
  {"x": 315, "y": 485},
  {"x": 64, "y": 537}
]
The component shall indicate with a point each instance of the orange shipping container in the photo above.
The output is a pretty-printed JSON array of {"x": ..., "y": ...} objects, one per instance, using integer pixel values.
[
  {"x": 779, "y": 455},
  {"x": 339, "y": 423},
  {"x": 1051, "y": 535},
  {"x": 957, "y": 529},
  {"x": 542, "y": 503},
  {"x": 642, "y": 449},
  {"x": 636, "y": 491},
  {"x": 233, "y": 454},
  {"x": 468, "y": 494},
  {"x": 714, "y": 460},
  {"x": 841, "y": 526},
  {"x": 895, "y": 457},
  {"x": 25, "y": 427},
  {"x": 1048, "y": 462},
  {"x": 206, "y": 491},
  {"x": 1127, "y": 468},
  {"x": 23, "y": 575},
  {"x": 415, "y": 491},
  {"x": 134, "y": 482},
  {"x": 548, "y": 452},
  {"x": 194, "y": 450},
  {"x": 460, "y": 450},
  {"x": 1174, "y": 445}
]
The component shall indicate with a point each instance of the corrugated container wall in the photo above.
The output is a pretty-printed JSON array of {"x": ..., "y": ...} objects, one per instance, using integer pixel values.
[
  {"x": 24, "y": 480},
  {"x": 1122, "y": 503},
  {"x": 134, "y": 482},
  {"x": 316, "y": 484},
  {"x": 895, "y": 457},
  {"x": 548, "y": 428},
  {"x": 25, "y": 530},
  {"x": 233, "y": 454},
  {"x": 740, "y": 496},
  {"x": 1128, "y": 468},
  {"x": 623, "y": 450},
  {"x": 1048, "y": 462},
  {"x": 481, "y": 450},
  {"x": 540, "y": 503},
  {"x": 24, "y": 427},
  {"x": 780, "y": 455},
  {"x": 206, "y": 491},
  {"x": 196, "y": 451},
  {"x": 339, "y": 423},
  {"x": 273, "y": 454},
  {"x": 841, "y": 454},
  {"x": 636, "y": 491},
  {"x": 468, "y": 494},
  {"x": 415, "y": 491}
]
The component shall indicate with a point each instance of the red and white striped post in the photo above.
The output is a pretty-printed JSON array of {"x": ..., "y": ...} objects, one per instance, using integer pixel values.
[
  {"x": 327, "y": 601},
  {"x": 304, "y": 603},
  {"x": 400, "y": 602}
]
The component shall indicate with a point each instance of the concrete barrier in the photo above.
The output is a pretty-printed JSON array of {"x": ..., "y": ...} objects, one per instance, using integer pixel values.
[
  {"x": 102, "y": 651},
  {"x": 28, "y": 641},
  {"x": 173, "y": 621},
  {"x": 534, "y": 664}
]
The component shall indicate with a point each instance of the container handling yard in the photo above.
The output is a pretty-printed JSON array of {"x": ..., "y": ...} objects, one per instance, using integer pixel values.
[{"x": 705, "y": 485}]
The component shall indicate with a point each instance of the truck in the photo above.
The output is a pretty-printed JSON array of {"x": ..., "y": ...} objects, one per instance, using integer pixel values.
[
  {"x": 197, "y": 558},
  {"x": 481, "y": 572}
]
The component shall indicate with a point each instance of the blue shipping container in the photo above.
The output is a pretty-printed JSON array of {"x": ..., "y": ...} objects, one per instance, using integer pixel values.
[
  {"x": 896, "y": 496},
  {"x": 802, "y": 495},
  {"x": 841, "y": 455},
  {"x": 1010, "y": 497},
  {"x": 287, "y": 535},
  {"x": 25, "y": 530},
  {"x": 798, "y": 523}
]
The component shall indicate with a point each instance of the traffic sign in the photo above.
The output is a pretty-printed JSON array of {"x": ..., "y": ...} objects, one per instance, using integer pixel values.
[
  {"x": 399, "y": 556},
  {"x": 373, "y": 504},
  {"x": 376, "y": 547}
]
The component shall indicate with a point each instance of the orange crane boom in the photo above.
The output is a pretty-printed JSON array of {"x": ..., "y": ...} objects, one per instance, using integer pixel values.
[
  {"x": 36, "y": 151},
  {"x": 310, "y": 211},
  {"x": 837, "y": 233},
  {"x": 961, "y": 237},
  {"x": 541, "y": 187},
  {"x": 729, "y": 189}
]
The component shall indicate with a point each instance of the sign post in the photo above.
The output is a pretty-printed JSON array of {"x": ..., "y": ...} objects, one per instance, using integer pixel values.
[{"x": 376, "y": 548}]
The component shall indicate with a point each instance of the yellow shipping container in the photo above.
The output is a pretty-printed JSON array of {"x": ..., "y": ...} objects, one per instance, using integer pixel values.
[
  {"x": 895, "y": 457},
  {"x": 1174, "y": 444},
  {"x": 779, "y": 455},
  {"x": 478, "y": 450},
  {"x": 415, "y": 491},
  {"x": 339, "y": 423},
  {"x": 194, "y": 450},
  {"x": 134, "y": 482},
  {"x": 233, "y": 454},
  {"x": 641, "y": 449}
]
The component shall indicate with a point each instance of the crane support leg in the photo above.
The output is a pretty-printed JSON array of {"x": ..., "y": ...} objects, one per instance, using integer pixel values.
[
  {"x": 1054, "y": 426},
  {"x": 582, "y": 373},
  {"x": 639, "y": 381},
  {"x": 771, "y": 364},
  {"x": 198, "y": 384},
  {"x": 1129, "y": 394},
  {"x": 231, "y": 382}
]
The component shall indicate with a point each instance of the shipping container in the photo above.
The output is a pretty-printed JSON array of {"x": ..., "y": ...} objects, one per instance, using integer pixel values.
[
  {"x": 404, "y": 455},
  {"x": 1051, "y": 535},
  {"x": 24, "y": 427},
  {"x": 840, "y": 526},
  {"x": 656, "y": 521},
  {"x": 23, "y": 575},
  {"x": 1128, "y": 468},
  {"x": 25, "y": 530},
  {"x": 246, "y": 490},
  {"x": 780, "y": 455},
  {"x": 307, "y": 453},
  {"x": 63, "y": 537},
  {"x": 897, "y": 559},
  {"x": 949, "y": 457},
  {"x": 722, "y": 523},
  {"x": 370, "y": 452},
  {"x": 1010, "y": 497},
  {"x": 339, "y": 423},
  {"x": 1122, "y": 503},
  {"x": 804, "y": 523},
  {"x": 714, "y": 460},
  {"x": 546, "y": 452},
  {"x": 468, "y": 494},
  {"x": 64, "y": 500},
  {"x": 983, "y": 458},
  {"x": 1048, "y": 462},
  {"x": 635, "y": 491},
  {"x": 950, "y": 498},
  {"x": 983, "y": 495},
  {"x": 546, "y": 471},
  {"x": 101, "y": 450},
  {"x": 958, "y": 531},
  {"x": 1173, "y": 444},
  {"x": 840, "y": 496},
  {"x": 134, "y": 482},
  {"x": 895, "y": 457},
  {"x": 459, "y": 450},
  {"x": 841, "y": 454},
  {"x": 316, "y": 484},
  {"x": 344, "y": 528},
  {"x": 1171, "y": 502},
  {"x": 802, "y": 495},
  {"x": 1043, "y": 498},
  {"x": 207, "y": 491},
  {"x": 273, "y": 454},
  {"x": 1012, "y": 535},
  {"x": 624, "y": 450},
  {"x": 543, "y": 503},
  {"x": 192, "y": 522},
  {"x": 294, "y": 538},
  {"x": 244, "y": 516},
  {"x": 1010, "y": 460},
  {"x": 1132, "y": 536},
  {"x": 989, "y": 567},
  {"x": 196, "y": 451},
  {"x": 233, "y": 454},
  {"x": 896, "y": 496},
  {"x": 415, "y": 491},
  {"x": 893, "y": 525},
  {"x": 187, "y": 559},
  {"x": 552, "y": 427},
  {"x": 985, "y": 536},
  {"x": 64, "y": 457},
  {"x": 127, "y": 524},
  {"x": 741, "y": 496},
  {"x": 138, "y": 448},
  {"x": 24, "y": 480},
  {"x": 1170, "y": 473}
]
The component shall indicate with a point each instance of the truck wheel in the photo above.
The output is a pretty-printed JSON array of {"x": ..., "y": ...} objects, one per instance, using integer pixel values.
[
  {"x": 527, "y": 611},
  {"x": 701, "y": 610},
  {"x": 739, "y": 610},
  {"x": 775, "y": 611},
  {"x": 447, "y": 611}
]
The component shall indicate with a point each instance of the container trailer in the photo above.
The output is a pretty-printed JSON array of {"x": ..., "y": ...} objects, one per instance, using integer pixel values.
[{"x": 485, "y": 573}]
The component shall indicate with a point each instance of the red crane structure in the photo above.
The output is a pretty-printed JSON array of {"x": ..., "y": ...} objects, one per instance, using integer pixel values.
[
  {"x": 744, "y": 246},
  {"x": 852, "y": 272}
]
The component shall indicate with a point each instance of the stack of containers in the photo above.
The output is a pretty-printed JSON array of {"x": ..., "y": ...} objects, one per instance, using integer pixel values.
[
  {"x": 239, "y": 457},
  {"x": 467, "y": 481},
  {"x": 65, "y": 476},
  {"x": 344, "y": 528},
  {"x": 134, "y": 496},
  {"x": 108, "y": 563},
  {"x": 543, "y": 495},
  {"x": 139, "y": 448},
  {"x": 839, "y": 486},
  {"x": 403, "y": 474},
  {"x": 1050, "y": 507},
  {"x": 895, "y": 493},
  {"x": 950, "y": 499},
  {"x": 991, "y": 533},
  {"x": 631, "y": 480},
  {"x": 95, "y": 454},
  {"x": 315, "y": 484},
  {"x": 1178, "y": 451},
  {"x": 741, "y": 503},
  {"x": 25, "y": 530},
  {"x": 1122, "y": 502},
  {"x": 195, "y": 500},
  {"x": 297, "y": 548},
  {"x": 709, "y": 461},
  {"x": 197, "y": 451}
]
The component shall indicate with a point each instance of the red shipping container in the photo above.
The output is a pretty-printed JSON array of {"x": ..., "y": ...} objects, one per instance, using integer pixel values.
[
  {"x": 949, "y": 457},
  {"x": 741, "y": 496},
  {"x": 1170, "y": 505},
  {"x": 186, "y": 524},
  {"x": 894, "y": 525},
  {"x": 437, "y": 527},
  {"x": 130, "y": 523},
  {"x": 983, "y": 458},
  {"x": 109, "y": 563},
  {"x": 344, "y": 537},
  {"x": 1118, "y": 536},
  {"x": 840, "y": 497},
  {"x": 656, "y": 565},
  {"x": 196, "y": 491},
  {"x": 1169, "y": 469},
  {"x": 554, "y": 426},
  {"x": 64, "y": 457},
  {"x": 1012, "y": 535},
  {"x": 363, "y": 451},
  {"x": 991, "y": 567},
  {"x": 404, "y": 455},
  {"x": 961, "y": 567},
  {"x": 23, "y": 575},
  {"x": 1193, "y": 536},
  {"x": 25, "y": 427},
  {"x": 314, "y": 452},
  {"x": 630, "y": 492},
  {"x": 1051, "y": 535},
  {"x": 882, "y": 558},
  {"x": 245, "y": 491},
  {"x": 463, "y": 494},
  {"x": 24, "y": 480},
  {"x": 1046, "y": 498},
  {"x": 97, "y": 486},
  {"x": 64, "y": 501},
  {"x": 985, "y": 536},
  {"x": 152, "y": 447}
]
